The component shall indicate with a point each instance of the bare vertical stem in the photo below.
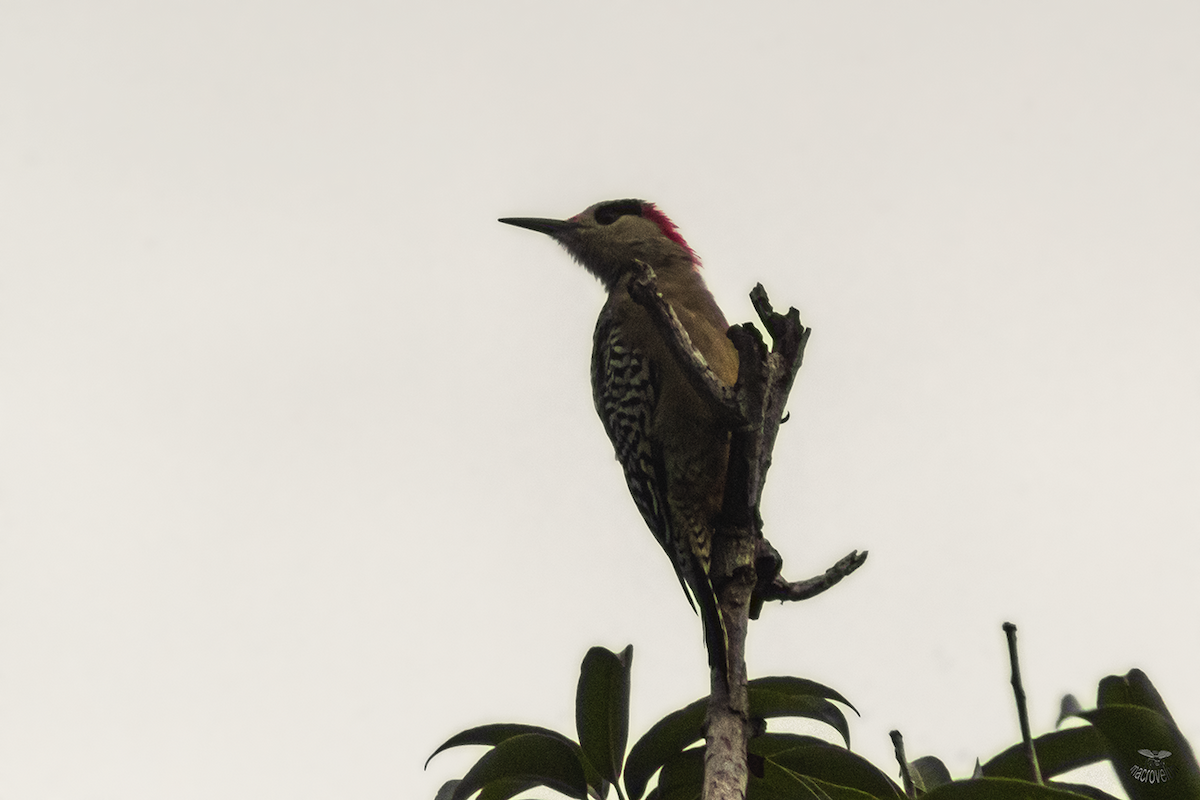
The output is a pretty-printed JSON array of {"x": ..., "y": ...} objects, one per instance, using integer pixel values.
[{"x": 1010, "y": 631}]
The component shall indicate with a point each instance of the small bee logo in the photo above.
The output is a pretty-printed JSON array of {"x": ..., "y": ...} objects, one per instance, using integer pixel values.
[{"x": 1155, "y": 757}]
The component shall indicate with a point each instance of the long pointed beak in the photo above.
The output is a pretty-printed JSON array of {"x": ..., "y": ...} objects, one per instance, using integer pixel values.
[{"x": 550, "y": 227}]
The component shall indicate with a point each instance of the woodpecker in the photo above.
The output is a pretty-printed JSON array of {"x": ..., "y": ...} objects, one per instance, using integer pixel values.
[{"x": 672, "y": 448}]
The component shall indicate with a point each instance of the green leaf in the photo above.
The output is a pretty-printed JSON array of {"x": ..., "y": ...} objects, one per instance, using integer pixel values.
[
  {"x": 998, "y": 789},
  {"x": 505, "y": 788},
  {"x": 780, "y": 783},
  {"x": 530, "y": 759},
  {"x": 666, "y": 738},
  {"x": 768, "y": 744},
  {"x": 682, "y": 777},
  {"x": 814, "y": 758},
  {"x": 493, "y": 735},
  {"x": 797, "y": 697},
  {"x": 1057, "y": 752},
  {"x": 1132, "y": 689},
  {"x": 1069, "y": 707},
  {"x": 1084, "y": 789},
  {"x": 1148, "y": 752},
  {"x": 928, "y": 772},
  {"x": 787, "y": 685},
  {"x": 447, "y": 790},
  {"x": 602, "y": 709}
]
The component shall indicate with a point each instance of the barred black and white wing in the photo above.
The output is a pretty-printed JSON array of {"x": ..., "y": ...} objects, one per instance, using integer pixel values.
[{"x": 625, "y": 390}]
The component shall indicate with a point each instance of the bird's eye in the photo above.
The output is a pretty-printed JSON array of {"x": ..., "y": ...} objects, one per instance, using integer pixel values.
[{"x": 608, "y": 213}]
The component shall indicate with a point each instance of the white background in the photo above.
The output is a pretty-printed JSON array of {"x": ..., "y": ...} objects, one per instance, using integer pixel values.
[{"x": 300, "y": 472}]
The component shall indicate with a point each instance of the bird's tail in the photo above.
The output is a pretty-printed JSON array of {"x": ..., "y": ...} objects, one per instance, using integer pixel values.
[
  {"x": 691, "y": 551},
  {"x": 716, "y": 637}
]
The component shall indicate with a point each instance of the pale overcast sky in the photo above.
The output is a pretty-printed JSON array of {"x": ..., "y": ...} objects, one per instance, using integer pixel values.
[{"x": 299, "y": 471}]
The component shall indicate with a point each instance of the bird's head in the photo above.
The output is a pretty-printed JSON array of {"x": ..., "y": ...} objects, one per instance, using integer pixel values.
[{"x": 606, "y": 238}]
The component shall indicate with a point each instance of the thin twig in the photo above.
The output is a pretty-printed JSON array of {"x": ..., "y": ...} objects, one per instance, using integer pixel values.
[
  {"x": 780, "y": 589},
  {"x": 1010, "y": 631}
]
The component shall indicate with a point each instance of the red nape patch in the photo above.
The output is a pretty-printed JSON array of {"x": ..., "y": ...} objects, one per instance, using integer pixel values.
[{"x": 651, "y": 212}]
